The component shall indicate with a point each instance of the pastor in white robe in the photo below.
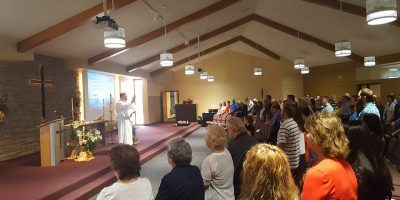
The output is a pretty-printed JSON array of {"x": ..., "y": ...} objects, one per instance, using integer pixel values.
[{"x": 124, "y": 109}]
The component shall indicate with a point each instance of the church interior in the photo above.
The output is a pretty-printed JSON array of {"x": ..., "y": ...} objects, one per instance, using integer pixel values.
[{"x": 180, "y": 59}]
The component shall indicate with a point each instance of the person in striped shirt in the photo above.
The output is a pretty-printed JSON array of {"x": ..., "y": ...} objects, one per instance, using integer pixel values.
[{"x": 289, "y": 137}]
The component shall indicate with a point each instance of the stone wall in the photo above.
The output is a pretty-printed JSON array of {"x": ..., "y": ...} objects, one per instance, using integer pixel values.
[{"x": 19, "y": 134}]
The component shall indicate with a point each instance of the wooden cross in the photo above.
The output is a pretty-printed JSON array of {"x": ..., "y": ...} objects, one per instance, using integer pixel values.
[{"x": 43, "y": 83}]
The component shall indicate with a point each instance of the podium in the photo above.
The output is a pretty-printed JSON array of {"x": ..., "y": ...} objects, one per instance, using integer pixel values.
[{"x": 51, "y": 142}]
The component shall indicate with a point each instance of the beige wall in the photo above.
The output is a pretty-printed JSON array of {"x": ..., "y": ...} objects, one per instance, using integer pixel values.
[
  {"x": 234, "y": 79},
  {"x": 340, "y": 78}
]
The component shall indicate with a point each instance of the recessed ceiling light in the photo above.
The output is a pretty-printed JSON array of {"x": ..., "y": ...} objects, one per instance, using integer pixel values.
[{"x": 393, "y": 70}]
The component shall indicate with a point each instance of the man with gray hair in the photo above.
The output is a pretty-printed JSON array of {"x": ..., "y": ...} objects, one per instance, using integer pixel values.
[
  {"x": 184, "y": 181},
  {"x": 240, "y": 142}
]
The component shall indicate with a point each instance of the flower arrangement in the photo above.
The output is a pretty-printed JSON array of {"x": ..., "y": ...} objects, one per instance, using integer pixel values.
[{"x": 83, "y": 142}]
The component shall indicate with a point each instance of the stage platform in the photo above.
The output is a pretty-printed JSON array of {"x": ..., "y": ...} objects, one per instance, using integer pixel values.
[{"x": 23, "y": 178}]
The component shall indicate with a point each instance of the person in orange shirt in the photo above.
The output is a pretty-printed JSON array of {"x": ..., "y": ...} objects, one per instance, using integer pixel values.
[{"x": 331, "y": 177}]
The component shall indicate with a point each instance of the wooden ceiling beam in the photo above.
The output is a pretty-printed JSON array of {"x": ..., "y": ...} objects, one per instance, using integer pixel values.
[
  {"x": 160, "y": 31},
  {"x": 202, "y": 53},
  {"x": 219, "y": 46},
  {"x": 303, "y": 36},
  {"x": 345, "y": 7},
  {"x": 66, "y": 25},
  {"x": 206, "y": 36},
  {"x": 260, "y": 48}
]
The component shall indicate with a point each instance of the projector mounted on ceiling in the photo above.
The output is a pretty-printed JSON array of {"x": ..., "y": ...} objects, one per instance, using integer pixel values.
[{"x": 106, "y": 23}]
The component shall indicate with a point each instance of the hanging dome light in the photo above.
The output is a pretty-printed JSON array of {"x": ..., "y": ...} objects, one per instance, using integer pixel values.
[
  {"x": 114, "y": 38},
  {"x": 189, "y": 69},
  {"x": 210, "y": 78},
  {"x": 203, "y": 76},
  {"x": 299, "y": 63},
  {"x": 369, "y": 61},
  {"x": 381, "y": 11},
  {"x": 257, "y": 71},
  {"x": 305, "y": 70},
  {"x": 166, "y": 59},
  {"x": 343, "y": 48}
]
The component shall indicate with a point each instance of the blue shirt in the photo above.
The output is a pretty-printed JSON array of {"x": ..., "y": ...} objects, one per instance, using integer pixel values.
[
  {"x": 328, "y": 108},
  {"x": 233, "y": 107},
  {"x": 369, "y": 108}
]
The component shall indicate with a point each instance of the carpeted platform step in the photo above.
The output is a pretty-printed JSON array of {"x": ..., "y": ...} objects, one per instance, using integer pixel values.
[{"x": 89, "y": 189}]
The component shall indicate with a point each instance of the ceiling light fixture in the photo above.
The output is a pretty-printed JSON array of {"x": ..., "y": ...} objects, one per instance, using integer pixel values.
[
  {"x": 343, "y": 48},
  {"x": 210, "y": 78},
  {"x": 299, "y": 63},
  {"x": 189, "y": 69},
  {"x": 166, "y": 59},
  {"x": 369, "y": 61},
  {"x": 305, "y": 70},
  {"x": 381, "y": 11},
  {"x": 114, "y": 35},
  {"x": 203, "y": 75},
  {"x": 257, "y": 71}
]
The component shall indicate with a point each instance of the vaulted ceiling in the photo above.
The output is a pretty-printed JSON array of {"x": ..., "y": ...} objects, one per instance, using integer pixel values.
[{"x": 272, "y": 29}]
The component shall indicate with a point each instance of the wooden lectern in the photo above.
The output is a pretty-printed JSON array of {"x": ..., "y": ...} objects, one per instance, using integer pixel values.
[{"x": 52, "y": 142}]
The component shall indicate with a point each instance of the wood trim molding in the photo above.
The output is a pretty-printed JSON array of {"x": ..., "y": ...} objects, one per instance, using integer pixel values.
[
  {"x": 66, "y": 25},
  {"x": 219, "y": 46},
  {"x": 206, "y": 36},
  {"x": 346, "y": 7},
  {"x": 220, "y": 5}
]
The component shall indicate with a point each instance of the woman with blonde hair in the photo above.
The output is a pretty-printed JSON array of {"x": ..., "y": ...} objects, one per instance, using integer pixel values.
[
  {"x": 267, "y": 175},
  {"x": 217, "y": 169},
  {"x": 331, "y": 177}
]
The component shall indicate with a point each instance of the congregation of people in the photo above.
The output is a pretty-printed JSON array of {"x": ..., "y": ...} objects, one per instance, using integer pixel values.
[{"x": 298, "y": 148}]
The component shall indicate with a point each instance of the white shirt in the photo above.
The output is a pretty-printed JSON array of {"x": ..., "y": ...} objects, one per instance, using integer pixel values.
[
  {"x": 138, "y": 190},
  {"x": 217, "y": 172}
]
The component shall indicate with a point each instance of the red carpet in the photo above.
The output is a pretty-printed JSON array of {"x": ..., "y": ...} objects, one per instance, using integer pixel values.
[{"x": 23, "y": 178}]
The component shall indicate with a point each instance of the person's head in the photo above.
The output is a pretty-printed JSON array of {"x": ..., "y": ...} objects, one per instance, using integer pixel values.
[
  {"x": 224, "y": 104},
  {"x": 125, "y": 162},
  {"x": 233, "y": 101},
  {"x": 332, "y": 99},
  {"x": 325, "y": 99},
  {"x": 290, "y": 98},
  {"x": 345, "y": 99},
  {"x": 235, "y": 126},
  {"x": 229, "y": 103},
  {"x": 326, "y": 135},
  {"x": 123, "y": 96},
  {"x": 179, "y": 152},
  {"x": 360, "y": 138},
  {"x": 216, "y": 137},
  {"x": 275, "y": 107},
  {"x": 268, "y": 98},
  {"x": 390, "y": 98},
  {"x": 366, "y": 95},
  {"x": 267, "y": 175},
  {"x": 374, "y": 124},
  {"x": 289, "y": 111}
]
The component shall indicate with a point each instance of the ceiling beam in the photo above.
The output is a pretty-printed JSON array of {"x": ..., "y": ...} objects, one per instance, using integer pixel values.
[
  {"x": 206, "y": 36},
  {"x": 345, "y": 7},
  {"x": 66, "y": 25},
  {"x": 160, "y": 31},
  {"x": 303, "y": 36},
  {"x": 260, "y": 48},
  {"x": 219, "y": 46}
]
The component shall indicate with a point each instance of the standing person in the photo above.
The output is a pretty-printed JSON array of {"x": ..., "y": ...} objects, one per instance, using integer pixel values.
[
  {"x": 126, "y": 167},
  {"x": 289, "y": 138},
  {"x": 123, "y": 118},
  {"x": 326, "y": 106},
  {"x": 239, "y": 144},
  {"x": 184, "y": 181},
  {"x": 266, "y": 175},
  {"x": 331, "y": 177},
  {"x": 217, "y": 169},
  {"x": 366, "y": 98}
]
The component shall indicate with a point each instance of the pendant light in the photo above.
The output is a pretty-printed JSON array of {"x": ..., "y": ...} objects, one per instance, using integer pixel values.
[
  {"x": 298, "y": 63},
  {"x": 369, "y": 61},
  {"x": 203, "y": 75},
  {"x": 114, "y": 37},
  {"x": 342, "y": 48},
  {"x": 381, "y": 11},
  {"x": 257, "y": 71},
  {"x": 166, "y": 59},
  {"x": 210, "y": 78},
  {"x": 189, "y": 69},
  {"x": 305, "y": 70}
]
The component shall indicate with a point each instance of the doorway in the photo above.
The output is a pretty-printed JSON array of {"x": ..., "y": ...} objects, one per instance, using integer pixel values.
[{"x": 168, "y": 101}]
